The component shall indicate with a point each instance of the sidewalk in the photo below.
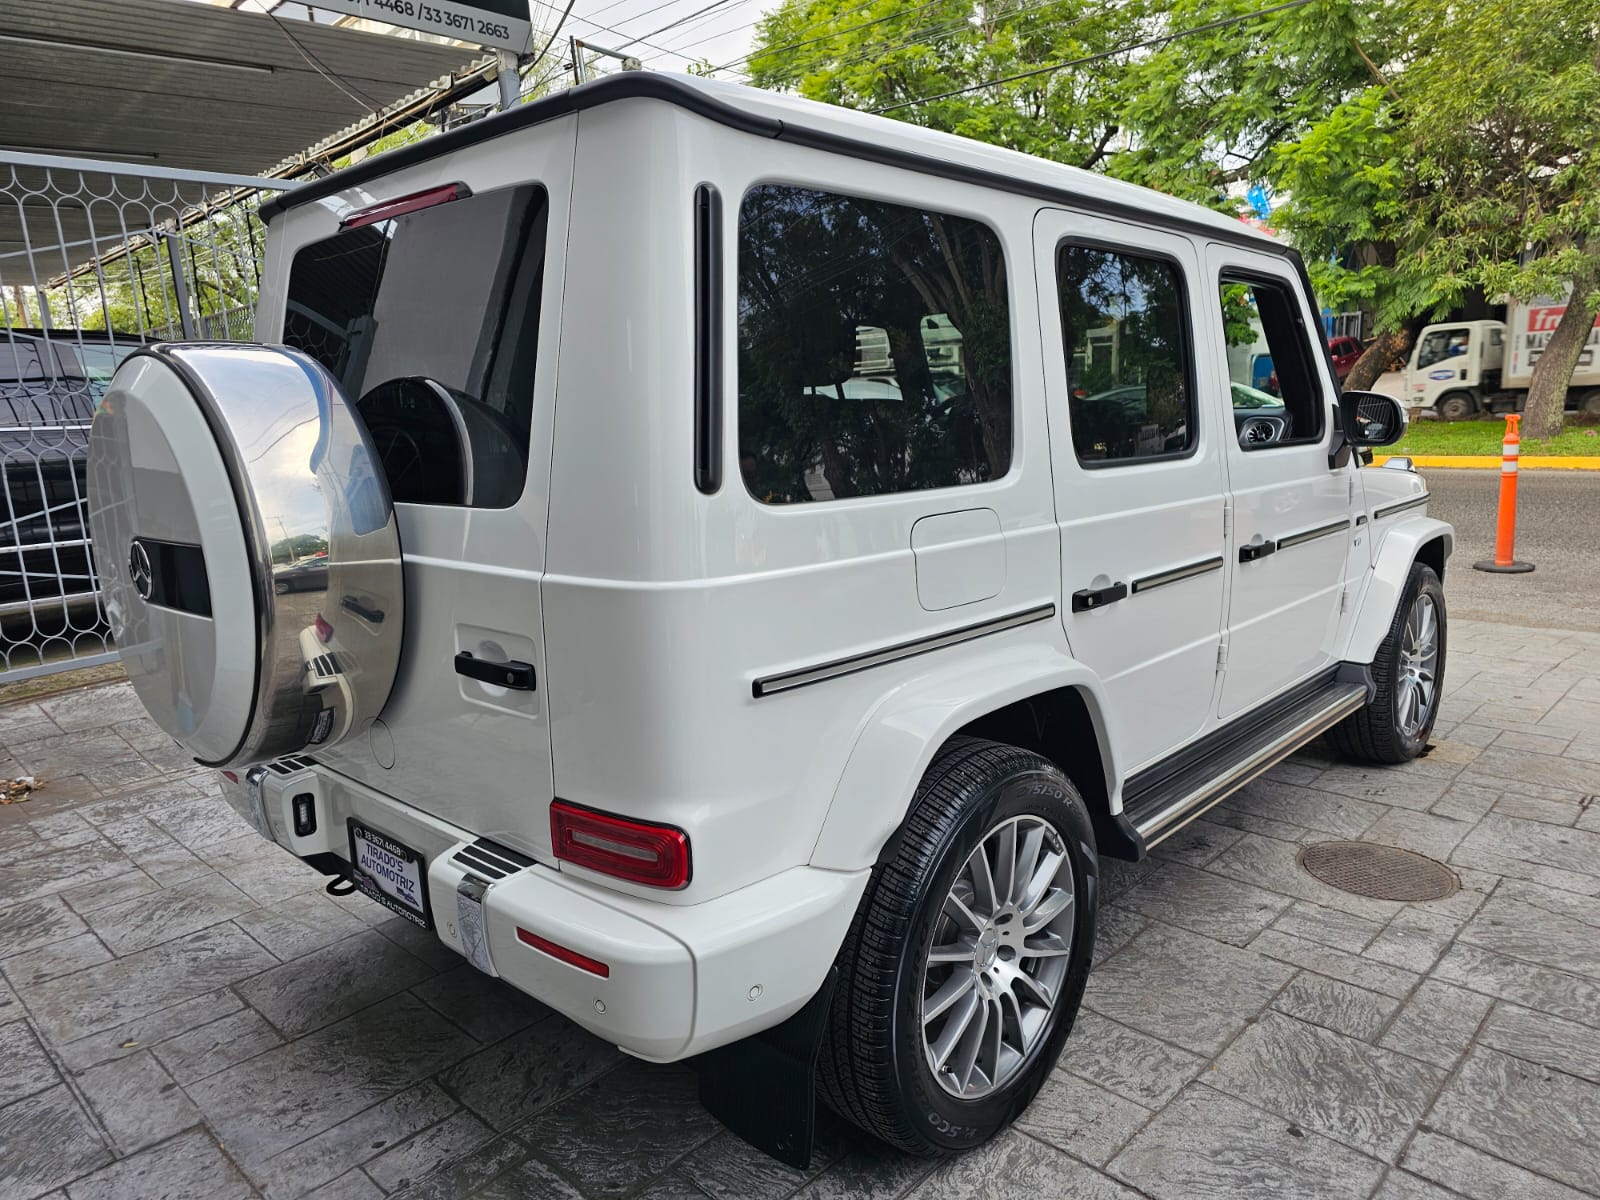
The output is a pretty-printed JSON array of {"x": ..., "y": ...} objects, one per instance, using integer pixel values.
[{"x": 184, "y": 1012}]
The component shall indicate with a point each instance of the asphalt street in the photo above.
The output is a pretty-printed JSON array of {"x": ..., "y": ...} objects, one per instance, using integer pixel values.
[{"x": 1558, "y": 530}]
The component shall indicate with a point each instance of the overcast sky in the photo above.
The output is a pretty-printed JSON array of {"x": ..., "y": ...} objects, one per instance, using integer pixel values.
[{"x": 675, "y": 33}]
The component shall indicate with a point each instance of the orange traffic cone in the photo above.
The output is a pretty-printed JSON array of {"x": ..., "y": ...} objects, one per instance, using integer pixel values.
[{"x": 1505, "y": 534}]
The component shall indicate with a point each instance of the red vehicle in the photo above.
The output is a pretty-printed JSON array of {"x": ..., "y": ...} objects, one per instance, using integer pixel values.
[{"x": 1345, "y": 351}]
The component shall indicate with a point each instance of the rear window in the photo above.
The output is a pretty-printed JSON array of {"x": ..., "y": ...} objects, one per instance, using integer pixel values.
[{"x": 430, "y": 321}]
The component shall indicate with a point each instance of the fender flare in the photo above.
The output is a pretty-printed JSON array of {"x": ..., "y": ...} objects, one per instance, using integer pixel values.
[
  {"x": 901, "y": 735},
  {"x": 1387, "y": 580}
]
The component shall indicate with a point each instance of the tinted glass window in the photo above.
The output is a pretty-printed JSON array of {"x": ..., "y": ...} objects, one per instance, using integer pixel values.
[
  {"x": 1277, "y": 393},
  {"x": 1129, "y": 381},
  {"x": 874, "y": 348},
  {"x": 431, "y": 321}
]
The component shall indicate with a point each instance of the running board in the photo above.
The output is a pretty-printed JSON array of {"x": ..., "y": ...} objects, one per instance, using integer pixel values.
[{"x": 1163, "y": 798}]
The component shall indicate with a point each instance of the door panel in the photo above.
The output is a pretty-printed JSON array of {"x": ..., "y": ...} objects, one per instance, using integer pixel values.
[
  {"x": 1138, "y": 472},
  {"x": 1291, "y": 511}
]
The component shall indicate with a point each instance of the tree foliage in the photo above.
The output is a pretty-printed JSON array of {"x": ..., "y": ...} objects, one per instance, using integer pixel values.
[{"x": 1432, "y": 149}]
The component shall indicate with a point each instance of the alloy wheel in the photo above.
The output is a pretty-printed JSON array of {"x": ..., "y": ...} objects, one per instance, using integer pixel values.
[
  {"x": 998, "y": 957},
  {"x": 1419, "y": 661}
]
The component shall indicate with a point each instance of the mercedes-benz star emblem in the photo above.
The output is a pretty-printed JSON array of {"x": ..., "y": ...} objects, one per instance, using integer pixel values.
[{"x": 139, "y": 570}]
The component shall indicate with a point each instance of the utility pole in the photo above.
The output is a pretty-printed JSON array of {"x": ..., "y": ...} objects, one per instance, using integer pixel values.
[{"x": 506, "y": 76}]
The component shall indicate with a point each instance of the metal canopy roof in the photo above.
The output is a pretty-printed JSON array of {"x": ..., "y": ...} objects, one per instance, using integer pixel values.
[{"x": 174, "y": 84}]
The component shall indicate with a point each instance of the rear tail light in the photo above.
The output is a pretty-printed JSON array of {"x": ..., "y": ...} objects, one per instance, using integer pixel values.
[
  {"x": 566, "y": 954},
  {"x": 399, "y": 207},
  {"x": 654, "y": 855},
  {"x": 324, "y": 630}
]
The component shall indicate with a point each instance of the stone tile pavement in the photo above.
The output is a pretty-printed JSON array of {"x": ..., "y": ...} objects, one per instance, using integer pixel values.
[{"x": 185, "y": 1014}]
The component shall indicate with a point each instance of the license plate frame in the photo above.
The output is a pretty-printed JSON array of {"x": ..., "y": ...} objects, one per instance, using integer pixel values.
[{"x": 381, "y": 886}]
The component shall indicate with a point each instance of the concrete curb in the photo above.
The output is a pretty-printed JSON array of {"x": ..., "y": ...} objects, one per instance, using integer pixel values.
[{"x": 1491, "y": 462}]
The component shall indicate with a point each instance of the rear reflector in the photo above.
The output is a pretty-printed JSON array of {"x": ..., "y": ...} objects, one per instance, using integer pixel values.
[
  {"x": 231, "y": 776},
  {"x": 324, "y": 630},
  {"x": 415, "y": 202},
  {"x": 655, "y": 855},
  {"x": 582, "y": 961}
]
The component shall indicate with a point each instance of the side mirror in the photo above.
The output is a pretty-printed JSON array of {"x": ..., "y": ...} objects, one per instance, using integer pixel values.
[{"x": 1372, "y": 419}]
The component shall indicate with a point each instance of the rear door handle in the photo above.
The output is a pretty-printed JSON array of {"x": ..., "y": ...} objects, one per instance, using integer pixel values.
[
  {"x": 1254, "y": 550},
  {"x": 1090, "y": 598},
  {"x": 515, "y": 675}
]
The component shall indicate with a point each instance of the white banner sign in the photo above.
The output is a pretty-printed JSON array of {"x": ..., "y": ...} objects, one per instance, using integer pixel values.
[{"x": 502, "y": 24}]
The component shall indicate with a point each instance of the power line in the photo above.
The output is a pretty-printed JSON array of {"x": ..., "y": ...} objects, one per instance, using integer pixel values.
[
  {"x": 674, "y": 24},
  {"x": 608, "y": 29},
  {"x": 550, "y": 41},
  {"x": 752, "y": 24},
  {"x": 704, "y": 20},
  {"x": 367, "y": 103},
  {"x": 828, "y": 37},
  {"x": 1220, "y": 23}
]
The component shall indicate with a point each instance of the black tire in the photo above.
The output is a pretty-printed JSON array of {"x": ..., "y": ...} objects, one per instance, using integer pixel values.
[
  {"x": 873, "y": 1069},
  {"x": 1374, "y": 733},
  {"x": 1457, "y": 406},
  {"x": 1588, "y": 403}
]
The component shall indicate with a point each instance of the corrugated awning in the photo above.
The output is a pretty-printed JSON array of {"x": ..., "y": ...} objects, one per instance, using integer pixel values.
[{"x": 174, "y": 84}]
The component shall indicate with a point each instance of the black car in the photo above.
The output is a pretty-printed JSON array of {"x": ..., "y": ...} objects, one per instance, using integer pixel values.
[{"x": 50, "y": 382}]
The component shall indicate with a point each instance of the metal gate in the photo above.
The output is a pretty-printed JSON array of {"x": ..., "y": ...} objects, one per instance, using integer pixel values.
[{"x": 96, "y": 260}]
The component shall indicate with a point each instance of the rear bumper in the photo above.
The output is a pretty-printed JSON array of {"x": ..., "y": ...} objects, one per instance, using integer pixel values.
[{"x": 681, "y": 979}]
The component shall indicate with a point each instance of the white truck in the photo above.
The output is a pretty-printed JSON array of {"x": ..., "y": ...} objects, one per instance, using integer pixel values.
[{"x": 1462, "y": 368}]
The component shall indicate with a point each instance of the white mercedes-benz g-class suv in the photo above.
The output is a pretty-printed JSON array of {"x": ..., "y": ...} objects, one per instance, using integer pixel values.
[{"x": 732, "y": 566}]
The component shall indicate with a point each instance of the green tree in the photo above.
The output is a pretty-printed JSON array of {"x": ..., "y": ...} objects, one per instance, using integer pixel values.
[
  {"x": 1504, "y": 138},
  {"x": 889, "y": 54},
  {"x": 1470, "y": 165}
]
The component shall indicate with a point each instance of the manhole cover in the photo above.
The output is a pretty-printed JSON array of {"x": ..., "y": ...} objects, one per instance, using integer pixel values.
[{"x": 1381, "y": 872}]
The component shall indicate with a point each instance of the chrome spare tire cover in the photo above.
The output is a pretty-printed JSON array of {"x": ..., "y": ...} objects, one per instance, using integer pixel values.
[{"x": 247, "y": 551}]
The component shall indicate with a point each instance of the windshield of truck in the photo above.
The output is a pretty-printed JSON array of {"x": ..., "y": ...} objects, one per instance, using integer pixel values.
[
  {"x": 1442, "y": 344},
  {"x": 430, "y": 321}
]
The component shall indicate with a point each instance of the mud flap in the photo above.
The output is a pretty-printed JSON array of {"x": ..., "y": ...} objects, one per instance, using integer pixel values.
[{"x": 764, "y": 1087}]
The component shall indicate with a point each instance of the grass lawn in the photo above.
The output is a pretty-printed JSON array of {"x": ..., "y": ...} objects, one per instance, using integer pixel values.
[{"x": 1484, "y": 437}]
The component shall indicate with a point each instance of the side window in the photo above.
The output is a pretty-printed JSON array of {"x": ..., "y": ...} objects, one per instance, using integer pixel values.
[
  {"x": 1130, "y": 376},
  {"x": 1276, "y": 392},
  {"x": 430, "y": 321},
  {"x": 874, "y": 348}
]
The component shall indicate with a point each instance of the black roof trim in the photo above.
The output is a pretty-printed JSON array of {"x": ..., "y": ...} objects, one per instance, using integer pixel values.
[
  {"x": 625, "y": 85},
  {"x": 630, "y": 85}
]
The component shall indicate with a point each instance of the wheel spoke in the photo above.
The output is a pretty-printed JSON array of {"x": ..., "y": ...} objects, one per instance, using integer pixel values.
[
  {"x": 983, "y": 878},
  {"x": 1010, "y": 1003},
  {"x": 958, "y": 1024},
  {"x": 1043, "y": 876},
  {"x": 1006, "y": 861},
  {"x": 971, "y": 1045},
  {"x": 1046, "y": 996},
  {"x": 954, "y": 952},
  {"x": 1402, "y": 707},
  {"x": 1027, "y": 860},
  {"x": 953, "y": 989},
  {"x": 995, "y": 1034},
  {"x": 1047, "y": 910},
  {"x": 1049, "y": 945},
  {"x": 961, "y": 914}
]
